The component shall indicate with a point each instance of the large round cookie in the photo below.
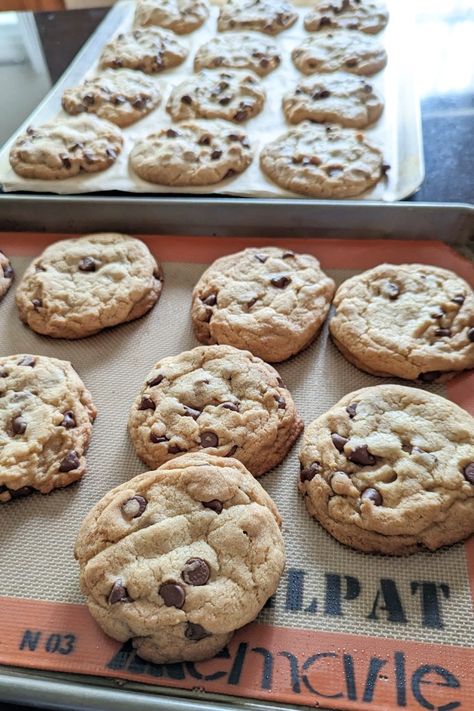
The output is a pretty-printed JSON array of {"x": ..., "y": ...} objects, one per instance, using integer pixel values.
[
  {"x": 150, "y": 49},
  {"x": 77, "y": 287},
  {"x": 340, "y": 50},
  {"x": 181, "y": 16},
  {"x": 271, "y": 301},
  {"x": 238, "y": 50},
  {"x": 230, "y": 95},
  {"x": 66, "y": 147},
  {"x": 408, "y": 320},
  {"x": 369, "y": 16},
  {"x": 122, "y": 96},
  {"x": 390, "y": 469},
  {"x": 217, "y": 398},
  {"x": 45, "y": 425},
  {"x": 336, "y": 98},
  {"x": 6, "y": 274},
  {"x": 179, "y": 558},
  {"x": 322, "y": 161},
  {"x": 192, "y": 153},
  {"x": 269, "y": 16}
]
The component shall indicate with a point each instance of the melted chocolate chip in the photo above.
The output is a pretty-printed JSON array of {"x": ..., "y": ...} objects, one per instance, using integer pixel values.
[
  {"x": 310, "y": 472},
  {"x": 215, "y": 155},
  {"x": 352, "y": 62},
  {"x": 372, "y": 495},
  {"x": 19, "y": 425},
  {"x": 28, "y": 361},
  {"x": 214, "y": 505},
  {"x": 156, "y": 380},
  {"x": 468, "y": 472},
  {"x": 261, "y": 257},
  {"x": 173, "y": 594},
  {"x": 443, "y": 332},
  {"x": 210, "y": 300},
  {"x": 280, "y": 281},
  {"x": 186, "y": 100},
  {"x": 68, "y": 421},
  {"x": 171, "y": 133},
  {"x": 87, "y": 264},
  {"x": 36, "y": 303},
  {"x": 351, "y": 410},
  {"x": 231, "y": 406},
  {"x": 430, "y": 376},
  {"x": 209, "y": 439},
  {"x": 195, "y": 632},
  {"x": 196, "y": 572},
  {"x": 158, "y": 439},
  {"x": 362, "y": 456},
  {"x": 134, "y": 506},
  {"x": 118, "y": 593},
  {"x": 111, "y": 153},
  {"x": 459, "y": 299},
  {"x": 338, "y": 442},
  {"x": 146, "y": 403},
  {"x": 20, "y": 493},
  {"x": 70, "y": 462},
  {"x": 191, "y": 412}
]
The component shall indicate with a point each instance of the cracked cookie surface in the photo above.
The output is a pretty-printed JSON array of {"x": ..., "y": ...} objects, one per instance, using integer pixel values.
[
  {"x": 179, "y": 558},
  {"x": 150, "y": 49},
  {"x": 192, "y": 153},
  {"x": 181, "y": 16},
  {"x": 336, "y": 98},
  {"x": 270, "y": 300},
  {"x": 219, "y": 399},
  {"x": 369, "y": 16},
  {"x": 46, "y": 420},
  {"x": 229, "y": 95},
  {"x": 79, "y": 286},
  {"x": 66, "y": 147},
  {"x": 269, "y": 16},
  {"x": 6, "y": 274},
  {"x": 405, "y": 320},
  {"x": 238, "y": 50},
  {"x": 340, "y": 50},
  {"x": 390, "y": 469},
  {"x": 322, "y": 161}
]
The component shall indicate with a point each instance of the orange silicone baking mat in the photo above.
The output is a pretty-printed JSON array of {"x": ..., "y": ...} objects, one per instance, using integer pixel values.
[{"x": 345, "y": 630}]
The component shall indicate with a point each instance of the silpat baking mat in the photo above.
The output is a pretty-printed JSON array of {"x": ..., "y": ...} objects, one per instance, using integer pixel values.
[
  {"x": 345, "y": 630},
  {"x": 397, "y": 132}
]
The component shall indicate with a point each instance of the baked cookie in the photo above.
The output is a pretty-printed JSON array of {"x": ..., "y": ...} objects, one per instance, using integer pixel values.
[
  {"x": 45, "y": 425},
  {"x": 340, "y": 50},
  {"x": 6, "y": 274},
  {"x": 337, "y": 98},
  {"x": 369, "y": 16},
  {"x": 179, "y": 558},
  {"x": 238, "y": 50},
  {"x": 323, "y": 161},
  {"x": 230, "y": 95},
  {"x": 269, "y": 16},
  {"x": 77, "y": 287},
  {"x": 122, "y": 96},
  {"x": 390, "y": 469},
  {"x": 149, "y": 49},
  {"x": 217, "y": 398},
  {"x": 66, "y": 147},
  {"x": 192, "y": 153},
  {"x": 407, "y": 320},
  {"x": 271, "y": 301},
  {"x": 181, "y": 16}
]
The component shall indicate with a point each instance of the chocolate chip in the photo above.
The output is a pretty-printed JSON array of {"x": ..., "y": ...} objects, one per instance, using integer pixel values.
[
  {"x": 88, "y": 155},
  {"x": 470, "y": 335},
  {"x": 68, "y": 421},
  {"x": 241, "y": 115},
  {"x": 116, "y": 62},
  {"x": 214, "y": 505},
  {"x": 3, "y": 373},
  {"x": 372, "y": 495},
  {"x": 264, "y": 63},
  {"x": 280, "y": 382},
  {"x": 156, "y": 380},
  {"x": 207, "y": 315},
  {"x": 393, "y": 290},
  {"x": 351, "y": 410},
  {"x": 209, "y": 439},
  {"x": 338, "y": 441},
  {"x": 196, "y": 572},
  {"x": 352, "y": 62},
  {"x": 468, "y": 472},
  {"x": 158, "y": 439},
  {"x": 441, "y": 332},
  {"x": 225, "y": 101},
  {"x": 210, "y": 300},
  {"x": 186, "y": 99},
  {"x": 384, "y": 168},
  {"x": 134, "y": 506},
  {"x": 205, "y": 141},
  {"x": 27, "y": 360},
  {"x": 325, "y": 20},
  {"x": 287, "y": 255},
  {"x": 146, "y": 403},
  {"x": 281, "y": 402},
  {"x": 87, "y": 264},
  {"x": 140, "y": 103},
  {"x": 459, "y": 299},
  {"x": 310, "y": 472},
  {"x": 119, "y": 99},
  {"x": 232, "y": 451},
  {"x": 437, "y": 314},
  {"x": 407, "y": 448},
  {"x": 231, "y": 406},
  {"x": 111, "y": 153},
  {"x": 362, "y": 456},
  {"x": 367, "y": 88},
  {"x": 8, "y": 271},
  {"x": 191, "y": 412},
  {"x": 261, "y": 257},
  {"x": 322, "y": 94},
  {"x": 65, "y": 160},
  {"x": 252, "y": 302},
  {"x": 70, "y": 462},
  {"x": 280, "y": 281},
  {"x": 175, "y": 449},
  {"x": 215, "y": 155},
  {"x": 36, "y": 303},
  {"x": 18, "y": 425},
  {"x": 20, "y": 493},
  {"x": 430, "y": 376},
  {"x": 171, "y": 133},
  {"x": 173, "y": 594},
  {"x": 118, "y": 593},
  {"x": 195, "y": 632}
]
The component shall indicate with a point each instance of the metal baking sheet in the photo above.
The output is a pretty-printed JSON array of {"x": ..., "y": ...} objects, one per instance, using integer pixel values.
[{"x": 398, "y": 131}]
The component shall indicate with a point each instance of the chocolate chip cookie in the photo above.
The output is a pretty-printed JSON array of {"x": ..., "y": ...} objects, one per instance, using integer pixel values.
[
  {"x": 219, "y": 399},
  {"x": 65, "y": 148},
  {"x": 181, "y": 16},
  {"x": 369, "y": 16},
  {"x": 271, "y": 301},
  {"x": 230, "y": 95},
  {"x": 340, "y": 50},
  {"x": 335, "y": 98},
  {"x": 269, "y": 16},
  {"x": 149, "y": 49},
  {"x": 192, "y": 153},
  {"x": 390, "y": 469},
  {"x": 238, "y": 50},
  {"x": 323, "y": 161},
  {"x": 122, "y": 96},
  {"x": 46, "y": 417},
  {"x": 77, "y": 287},
  {"x": 407, "y": 320},
  {"x": 6, "y": 274},
  {"x": 179, "y": 558}
]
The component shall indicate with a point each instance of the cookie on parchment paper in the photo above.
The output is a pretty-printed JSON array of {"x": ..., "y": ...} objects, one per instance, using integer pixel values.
[
  {"x": 6, "y": 274},
  {"x": 390, "y": 469},
  {"x": 239, "y": 50},
  {"x": 369, "y": 16},
  {"x": 150, "y": 49},
  {"x": 340, "y": 50},
  {"x": 181, "y": 16},
  {"x": 269, "y": 16}
]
